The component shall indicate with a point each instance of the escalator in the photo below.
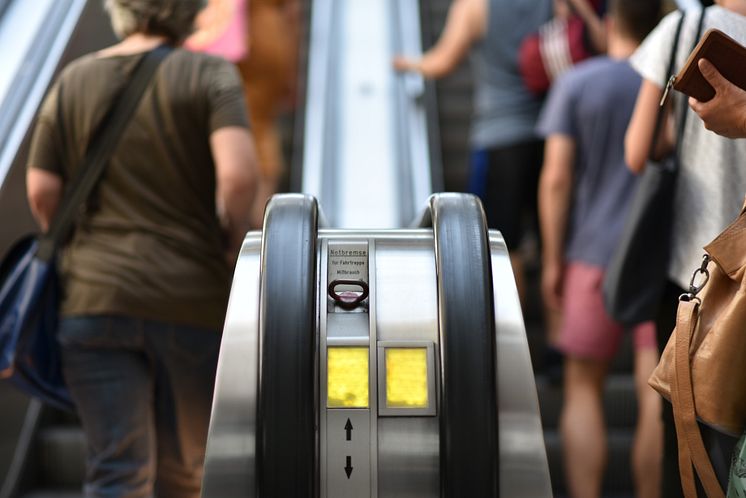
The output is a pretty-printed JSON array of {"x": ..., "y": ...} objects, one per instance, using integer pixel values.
[
  {"x": 374, "y": 344},
  {"x": 438, "y": 290}
]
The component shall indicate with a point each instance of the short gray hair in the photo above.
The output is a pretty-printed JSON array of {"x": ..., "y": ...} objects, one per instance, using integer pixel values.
[{"x": 171, "y": 18}]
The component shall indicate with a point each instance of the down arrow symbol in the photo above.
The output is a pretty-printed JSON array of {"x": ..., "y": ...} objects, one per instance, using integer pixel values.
[{"x": 348, "y": 468}]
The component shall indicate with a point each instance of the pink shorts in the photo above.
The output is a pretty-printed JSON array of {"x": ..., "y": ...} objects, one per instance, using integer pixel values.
[{"x": 587, "y": 331}]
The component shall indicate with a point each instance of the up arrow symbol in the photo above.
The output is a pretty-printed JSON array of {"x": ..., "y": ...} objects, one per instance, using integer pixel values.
[{"x": 348, "y": 429}]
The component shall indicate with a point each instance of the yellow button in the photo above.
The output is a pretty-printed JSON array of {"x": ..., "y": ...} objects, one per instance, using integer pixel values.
[
  {"x": 347, "y": 377},
  {"x": 406, "y": 378}
]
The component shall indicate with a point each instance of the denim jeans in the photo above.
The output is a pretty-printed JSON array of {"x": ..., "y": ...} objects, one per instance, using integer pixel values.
[{"x": 143, "y": 391}]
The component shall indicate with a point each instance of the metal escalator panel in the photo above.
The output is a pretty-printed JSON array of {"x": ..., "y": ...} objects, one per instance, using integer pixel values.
[
  {"x": 366, "y": 153},
  {"x": 37, "y": 38},
  {"x": 524, "y": 469},
  {"x": 33, "y": 37},
  {"x": 417, "y": 366}
]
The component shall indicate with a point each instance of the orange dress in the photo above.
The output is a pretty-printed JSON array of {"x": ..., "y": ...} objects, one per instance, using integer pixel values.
[{"x": 270, "y": 73}]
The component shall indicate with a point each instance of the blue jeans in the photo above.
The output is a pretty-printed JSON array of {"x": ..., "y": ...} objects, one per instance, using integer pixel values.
[{"x": 143, "y": 391}]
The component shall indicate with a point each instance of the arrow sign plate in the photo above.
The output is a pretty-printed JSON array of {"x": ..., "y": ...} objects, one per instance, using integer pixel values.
[{"x": 348, "y": 453}]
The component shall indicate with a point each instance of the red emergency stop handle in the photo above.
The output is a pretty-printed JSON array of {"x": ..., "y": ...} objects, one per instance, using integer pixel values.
[{"x": 348, "y": 299}]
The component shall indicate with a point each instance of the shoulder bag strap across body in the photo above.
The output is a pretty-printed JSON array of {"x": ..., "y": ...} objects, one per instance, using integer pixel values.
[{"x": 99, "y": 151}]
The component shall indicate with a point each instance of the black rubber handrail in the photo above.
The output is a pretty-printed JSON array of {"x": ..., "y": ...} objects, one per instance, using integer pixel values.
[
  {"x": 286, "y": 463},
  {"x": 468, "y": 413}
]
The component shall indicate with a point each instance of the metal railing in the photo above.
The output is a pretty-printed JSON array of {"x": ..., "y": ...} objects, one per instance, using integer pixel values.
[{"x": 367, "y": 151}]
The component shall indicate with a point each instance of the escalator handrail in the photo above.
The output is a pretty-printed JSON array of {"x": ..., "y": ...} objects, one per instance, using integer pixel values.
[
  {"x": 287, "y": 321},
  {"x": 468, "y": 414}
]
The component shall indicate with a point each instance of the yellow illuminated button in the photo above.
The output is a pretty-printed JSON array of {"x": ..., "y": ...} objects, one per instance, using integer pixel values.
[
  {"x": 347, "y": 377},
  {"x": 406, "y": 378}
]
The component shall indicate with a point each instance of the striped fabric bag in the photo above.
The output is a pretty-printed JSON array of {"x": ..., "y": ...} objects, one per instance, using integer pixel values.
[{"x": 547, "y": 54}]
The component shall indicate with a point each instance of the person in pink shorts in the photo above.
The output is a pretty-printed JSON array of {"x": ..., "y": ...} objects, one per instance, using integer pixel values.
[
  {"x": 584, "y": 192},
  {"x": 587, "y": 330}
]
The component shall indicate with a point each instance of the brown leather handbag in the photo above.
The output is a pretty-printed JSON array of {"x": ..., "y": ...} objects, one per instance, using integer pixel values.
[{"x": 700, "y": 370}]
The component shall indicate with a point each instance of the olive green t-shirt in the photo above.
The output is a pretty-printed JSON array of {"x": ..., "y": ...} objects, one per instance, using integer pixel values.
[{"x": 149, "y": 244}]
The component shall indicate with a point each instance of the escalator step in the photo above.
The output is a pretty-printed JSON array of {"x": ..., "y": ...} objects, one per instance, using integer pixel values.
[
  {"x": 620, "y": 402},
  {"x": 61, "y": 451},
  {"x": 618, "y": 478},
  {"x": 54, "y": 494}
]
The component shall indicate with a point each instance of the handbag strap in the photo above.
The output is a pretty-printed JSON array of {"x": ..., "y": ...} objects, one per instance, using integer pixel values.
[
  {"x": 692, "y": 450},
  {"x": 660, "y": 117},
  {"x": 99, "y": 150},
  {"x": 684, "y": 103}
]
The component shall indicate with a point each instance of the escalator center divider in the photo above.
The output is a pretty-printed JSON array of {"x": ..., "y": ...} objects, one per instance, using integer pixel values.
[
  {"x": 468, "y": 422},
  {"x": 286, "y": 449}
]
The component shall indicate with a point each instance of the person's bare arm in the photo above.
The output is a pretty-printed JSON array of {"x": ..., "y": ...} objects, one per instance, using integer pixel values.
[
  {"x": 641, "y": 127},
  {"x": 466, "y": 23},
  {"x": 595, "y": 25},
  {"x": 236, "y": 180},
  {"x": 44, "y": 191},
  {"x": 725, "y": 113},
  {"x": 555, "y": 190}
]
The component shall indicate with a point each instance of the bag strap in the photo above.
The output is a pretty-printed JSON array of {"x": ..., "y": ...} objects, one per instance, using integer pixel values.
[
  {"x": 669, "y": 71},
  {"x": 659, "y": 119},
  {"x": 692, "y": 450},
  {"x": 684, "y": 103},
  {"x": 99, "y": 151}
]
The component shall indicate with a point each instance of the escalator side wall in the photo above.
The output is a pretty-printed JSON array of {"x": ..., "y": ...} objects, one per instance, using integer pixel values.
[
  {"x": 524, "y": 470},
  {"x": 92, "y": 31},
  {"x": 230, "y": 464}
]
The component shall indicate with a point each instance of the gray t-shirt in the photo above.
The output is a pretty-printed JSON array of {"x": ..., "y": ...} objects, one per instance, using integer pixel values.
[
  {"x": 712, "y": 179},
  {"x": 505, "y": 111},
  {"x": 593, "y": 104}
]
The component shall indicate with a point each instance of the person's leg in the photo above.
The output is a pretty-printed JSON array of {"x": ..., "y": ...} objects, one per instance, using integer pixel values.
[
  {"x": 589, "y": 339},
  {"x": 647, "y": 447},
  {"x": 510, "y": 196},
  {"x": 582, "y": 426},
  {"x": 109, "y": 378},
  {"x": 186, "y": 360}
]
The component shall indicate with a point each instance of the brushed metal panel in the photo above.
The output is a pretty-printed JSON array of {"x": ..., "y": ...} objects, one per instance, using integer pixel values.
[
  {"x": 407, "y": 310},
  {"x": 230, "y": 462},
  {"x": 524, "y": 471}
]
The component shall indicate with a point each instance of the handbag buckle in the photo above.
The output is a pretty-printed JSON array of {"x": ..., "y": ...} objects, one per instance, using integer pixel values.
[{"x": 700, "y": 277}]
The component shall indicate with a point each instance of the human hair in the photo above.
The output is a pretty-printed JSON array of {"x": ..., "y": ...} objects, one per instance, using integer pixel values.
[
  {"x": 173, "y": 19},
  {"x": 636, "y": 18}
]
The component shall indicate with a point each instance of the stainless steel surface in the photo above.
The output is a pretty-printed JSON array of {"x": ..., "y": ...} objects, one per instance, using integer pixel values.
[
  {"x": 348, "y": 461},
  {"x": 407, "y": 294},
  {"x": 351, "y": 328},
  {"x": 524, "y": 471},
  {"x": 38, "y": 33},
  {"x": 366, "y": 156},
  {"x": 407, "y": 310},
  {"x": 37, "y": 38},
  {"x": 403, "y": 452},
  {"x": 231, "y": 447},
  {"x": 33, "y": 38},
  {"x": 409, "y": 457}
]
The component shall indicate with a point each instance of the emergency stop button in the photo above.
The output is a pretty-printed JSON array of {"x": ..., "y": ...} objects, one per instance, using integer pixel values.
[{"x": 347, "y": 274}]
